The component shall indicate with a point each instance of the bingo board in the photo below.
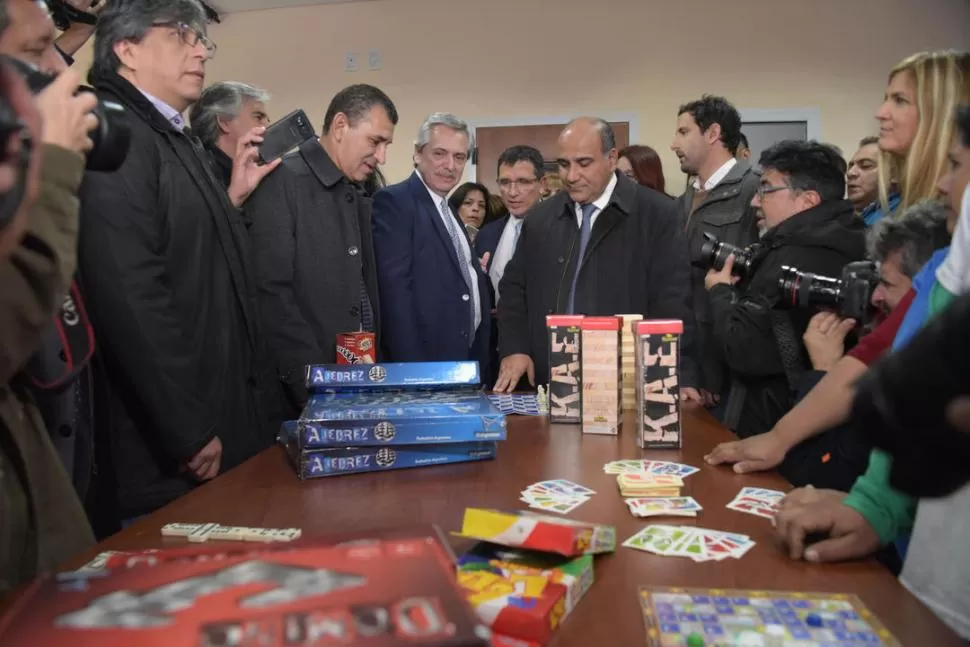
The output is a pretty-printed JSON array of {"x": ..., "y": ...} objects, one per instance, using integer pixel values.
[
  {"x": 523, "y": 404},
  {"x": 676, "y": 617}
]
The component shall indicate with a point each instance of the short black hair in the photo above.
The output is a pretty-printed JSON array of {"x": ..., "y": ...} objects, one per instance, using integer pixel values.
[
  {"x": 963, "y": 124},
  {"x": 710, "y": 110},
  {"x": 356, "y": 101},
  {"x": 809, "y": 165},
  {"x": 514, "y": 154},
  {"x": 462, "y": 192},
  {"x": 743, "y": 141},
  {"x": 868, "y": 141}
]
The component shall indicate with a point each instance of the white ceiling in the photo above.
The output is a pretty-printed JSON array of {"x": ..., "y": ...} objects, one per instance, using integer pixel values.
[{"x": 232, "y": 6}]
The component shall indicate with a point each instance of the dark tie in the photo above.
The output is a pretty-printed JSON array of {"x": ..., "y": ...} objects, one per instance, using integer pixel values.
[{"x": 584, "y": 231}]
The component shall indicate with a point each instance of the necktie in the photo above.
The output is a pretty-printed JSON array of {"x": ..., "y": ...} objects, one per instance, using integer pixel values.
[
  {"x": 584, "y": 231},
  {"x": 451, "y": 224},
  {"x": 515, "y": 235}
]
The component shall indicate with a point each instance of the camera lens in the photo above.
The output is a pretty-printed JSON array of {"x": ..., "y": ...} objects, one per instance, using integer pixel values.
[{"x": 805, "y": 289}]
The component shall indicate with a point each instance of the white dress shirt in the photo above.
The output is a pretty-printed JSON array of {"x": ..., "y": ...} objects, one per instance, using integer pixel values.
[
  {"x": 171, "y": 114},
  {"x": 716, "y": 176},
  {"x": 444, "y": 212},
  {"x": 600, "y": 204},
  {"x": 504, "y": 250}
]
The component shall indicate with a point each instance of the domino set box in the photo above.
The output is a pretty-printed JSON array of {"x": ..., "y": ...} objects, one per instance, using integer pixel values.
[
  {"x": 600, "y": 366},
  {"x": 377, "y": 417}
]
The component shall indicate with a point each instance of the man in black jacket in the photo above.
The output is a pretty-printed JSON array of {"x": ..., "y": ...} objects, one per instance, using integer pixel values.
[
  {"x": 312, "y": 237},
  {"x": 604, "y": 246},
  {"x": 807, "y": 225},
  {"x": 163, "y": 261}
]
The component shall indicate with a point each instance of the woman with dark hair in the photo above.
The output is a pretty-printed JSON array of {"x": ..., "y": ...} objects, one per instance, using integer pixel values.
[
  {"x": 471, "y": 202},
  {"x": 642, "y": 165}
]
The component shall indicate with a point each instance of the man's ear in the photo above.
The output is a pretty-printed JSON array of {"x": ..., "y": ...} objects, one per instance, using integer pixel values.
[
  {"x": 338, "y": 127},
  {"x": 125, "y": 51},
  {"x": 223, "y": 125},
  {"x": 713, "y": 134},
  {"x": 810, "y": 199}
]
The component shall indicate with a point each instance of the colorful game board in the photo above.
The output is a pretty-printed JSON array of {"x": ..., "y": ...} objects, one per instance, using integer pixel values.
[{"x": 675, "y": 617}]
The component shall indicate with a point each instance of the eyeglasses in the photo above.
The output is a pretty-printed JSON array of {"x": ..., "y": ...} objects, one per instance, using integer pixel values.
[
  {"x": 765, "y": 189},
  {"x": 505, "y": 184},
  {"x": 190, "y": 36}
]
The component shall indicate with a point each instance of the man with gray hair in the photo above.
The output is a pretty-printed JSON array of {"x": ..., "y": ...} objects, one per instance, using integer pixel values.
[
  {"x": 163, "y": 267},
  {"x": 225, "y": 115},
  {"x": 434, "y": 294}
]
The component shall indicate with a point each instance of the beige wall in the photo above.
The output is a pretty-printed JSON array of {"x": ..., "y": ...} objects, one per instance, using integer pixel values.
[{"x": 496, "y": 59}]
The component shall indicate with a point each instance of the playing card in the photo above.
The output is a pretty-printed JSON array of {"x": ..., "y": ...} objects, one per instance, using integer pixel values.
[
  {"x": 761, "y": 493},
  {"x": 758, "y": 507},
  {"x": 679, "y": 469},
  {"x": 699, "y": 544},
  {"x": 657, "y": 539},
  {"x": 563, "y": 486},
  {"x": 661, "y": 506}
]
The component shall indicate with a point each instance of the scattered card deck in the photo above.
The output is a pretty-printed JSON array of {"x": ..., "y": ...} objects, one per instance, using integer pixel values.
[
  {"x": 670, "y": 506},
  {"x": 699, "y": 544},
  {"x": 558, "y": 495},
  {"x": 652, "y": 467},
  {"x": 757, "y": 501},
  {"x": 643, "y": 484}
]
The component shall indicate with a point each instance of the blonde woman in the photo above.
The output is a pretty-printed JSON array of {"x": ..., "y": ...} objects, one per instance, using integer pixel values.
[{"x": 916, "y": 126}]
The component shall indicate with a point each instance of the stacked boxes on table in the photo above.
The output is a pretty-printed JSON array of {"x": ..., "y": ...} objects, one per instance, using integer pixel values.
[
  {"x": 565, "y": 374},
  {"x": 658, "y": 366},
  {"x": 367, "y": 418},
  {"x": 602, "y": 404},
  {"x": 628, "y": 366}
]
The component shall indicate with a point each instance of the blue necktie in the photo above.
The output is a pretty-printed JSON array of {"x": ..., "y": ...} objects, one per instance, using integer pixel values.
[
  {"x": 451, "y": 224},
  {"x": 584, "y": 232}
]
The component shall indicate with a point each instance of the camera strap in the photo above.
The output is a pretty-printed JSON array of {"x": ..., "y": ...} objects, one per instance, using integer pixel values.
[
  {"x": 75, "y": 346},
  {"x": 789, "y": 346}
]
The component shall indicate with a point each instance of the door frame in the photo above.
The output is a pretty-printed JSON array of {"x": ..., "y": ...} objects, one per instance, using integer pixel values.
[
  {"x": 812, "y": 116},
  {"x": 539, "y": 120}
]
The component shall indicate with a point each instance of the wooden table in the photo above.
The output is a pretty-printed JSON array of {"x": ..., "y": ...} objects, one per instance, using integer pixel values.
[{"x": 265, "y": 492}]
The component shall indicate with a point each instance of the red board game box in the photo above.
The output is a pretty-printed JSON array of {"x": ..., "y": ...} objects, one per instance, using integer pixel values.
[{"x": 381, "y": 592}]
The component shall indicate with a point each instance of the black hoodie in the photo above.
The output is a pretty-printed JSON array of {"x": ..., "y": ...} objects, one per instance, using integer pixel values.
[{"x": 820, "y": 240}]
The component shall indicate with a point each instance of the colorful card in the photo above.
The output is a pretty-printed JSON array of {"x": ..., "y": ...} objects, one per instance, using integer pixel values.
[
  {"x": 682, "y": 506},
  {"x": 760, "y": 502},
  {"x": 699, "y": 544}
]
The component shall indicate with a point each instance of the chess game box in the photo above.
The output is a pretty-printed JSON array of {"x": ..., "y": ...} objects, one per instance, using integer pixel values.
[
  {"x": 602, "y": 409},
  {"x": 385, "y": 593},
  {"x": 565, "y": 370},
  {"x": 367, "y": 421},
  {"x": 317, "y": 463},
  {"x": 529, "y": 530},
  {"x": 390, "y": 376},
  {"x": 523, "y": 594},
  {"x": 658, "y": 380}
]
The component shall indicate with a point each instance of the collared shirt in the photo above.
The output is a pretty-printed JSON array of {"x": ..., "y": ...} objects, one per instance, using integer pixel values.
[
  {"x": 600, "y": 204},
  {"x": 716, "y": 176},
  {"x": 444, "y": 211},
  {"x": 505, "y": 250},
  {"x": 171, "y": 114}
]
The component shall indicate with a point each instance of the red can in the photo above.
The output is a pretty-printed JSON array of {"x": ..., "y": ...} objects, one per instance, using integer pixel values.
[{"x": 356, "y": 348}]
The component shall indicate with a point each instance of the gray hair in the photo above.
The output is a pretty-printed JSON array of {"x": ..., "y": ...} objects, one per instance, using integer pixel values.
[
  {"x": 603, "y": 128},
  {"x": 447, "y": 120},
  {"x": 131, "y": 20},
  {"x": 225, "y": 100},
  {"x": 917, "y": 233}
]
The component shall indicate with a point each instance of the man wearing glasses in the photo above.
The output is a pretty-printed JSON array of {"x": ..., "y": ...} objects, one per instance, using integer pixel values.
[
  {"x": 163, "y": 261},
  {"x": 807, "y": 225}
]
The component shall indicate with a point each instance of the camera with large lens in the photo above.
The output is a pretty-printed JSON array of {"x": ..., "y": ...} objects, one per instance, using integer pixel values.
[
  {"x": 849, "y": 295},
  {"x": 112, "y": 135},
  {"x": 713, "y": 254}
]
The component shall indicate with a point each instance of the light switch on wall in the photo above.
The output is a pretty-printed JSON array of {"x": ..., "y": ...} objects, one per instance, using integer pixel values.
[
  {"x": 350, "y": 62},
  {"x": 374, "y": 59}
]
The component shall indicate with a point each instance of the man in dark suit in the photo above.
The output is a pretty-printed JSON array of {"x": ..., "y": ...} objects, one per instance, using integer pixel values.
[
  {"x": 434, "y": 294},
  {"x": 312, "y": 240},
  {"x": 603, "y": 246}
]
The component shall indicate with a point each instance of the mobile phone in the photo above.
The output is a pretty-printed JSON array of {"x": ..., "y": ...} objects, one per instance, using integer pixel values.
[{"x": 284, "y": 135}]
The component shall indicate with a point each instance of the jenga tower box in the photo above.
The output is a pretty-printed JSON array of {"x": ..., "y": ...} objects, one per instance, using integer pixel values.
[
  {"x": 628, "y": 362},
  {"x": 565, "y": 371},
  {"x": 658, "y": 378},
  {"x": 602, "y": 413}
]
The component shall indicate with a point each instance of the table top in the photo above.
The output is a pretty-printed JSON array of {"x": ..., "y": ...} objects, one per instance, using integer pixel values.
[{"x": 265, "y": 492}]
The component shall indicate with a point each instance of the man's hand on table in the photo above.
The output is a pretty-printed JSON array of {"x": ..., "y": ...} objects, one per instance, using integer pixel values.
[
  {"x": 849, "y": 535},
  {"x": 205, "y": 465},
  {"x": 755, "y": 454},
  {"x": 511, "y": 371}
]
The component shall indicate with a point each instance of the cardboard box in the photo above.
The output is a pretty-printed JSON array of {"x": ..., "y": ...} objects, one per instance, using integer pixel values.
[
  {"x": 658, "y": 377},
  {"x": 565, "y": 369},
  {"x": 538, "y": 532},
  {"x": 322, "y": 378},
  {"x": 602, "y": 387}
]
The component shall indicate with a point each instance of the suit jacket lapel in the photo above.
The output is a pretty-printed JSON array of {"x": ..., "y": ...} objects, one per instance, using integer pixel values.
[{"x": 423, "y": 202}]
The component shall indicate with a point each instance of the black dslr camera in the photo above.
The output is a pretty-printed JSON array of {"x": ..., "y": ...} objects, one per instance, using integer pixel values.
[
  {"x": 849, "y": 295},
  {"x": 713, "y": 254},
  {"x": 111, "y": 137}
]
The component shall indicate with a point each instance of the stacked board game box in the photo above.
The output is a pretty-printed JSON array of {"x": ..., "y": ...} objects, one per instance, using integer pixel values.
[
  {"x": 367, "y": 418},
  {"x": 658, "y": 379},
  {"x": 565, "y": 371},
  {"x": 600, "y": 357},
  {"x": 628, "y": 365},
  {"x": 387, "y": 591}
]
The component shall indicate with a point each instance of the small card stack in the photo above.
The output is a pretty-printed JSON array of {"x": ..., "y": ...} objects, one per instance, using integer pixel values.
[
  {"x": 658, "y": 368},
  {"x": 642, "y": 484},
  {"x": 565, "y": 371},
  {"x": 679, "y": 506},
  {"x": 700, "y": 544},
  {"x": 757, "y": 501},
  {"x": 628, "y": 360},
  {"x": 601, "y": 404},
  {"x": 558, "y": 495},
  {"x": 649, "y": 466}
]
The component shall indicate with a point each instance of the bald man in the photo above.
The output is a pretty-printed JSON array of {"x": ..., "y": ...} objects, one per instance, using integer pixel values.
[{"x": 602, "y": 246}]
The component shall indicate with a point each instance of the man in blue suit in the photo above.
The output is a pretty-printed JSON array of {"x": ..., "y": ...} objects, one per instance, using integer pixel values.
[{"x": 435, "y": 299}]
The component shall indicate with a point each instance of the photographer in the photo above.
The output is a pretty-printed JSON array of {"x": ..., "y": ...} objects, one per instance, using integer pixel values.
[
  {"x": 43, "y": 522},
  {"x": 806, "y": 225}
]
